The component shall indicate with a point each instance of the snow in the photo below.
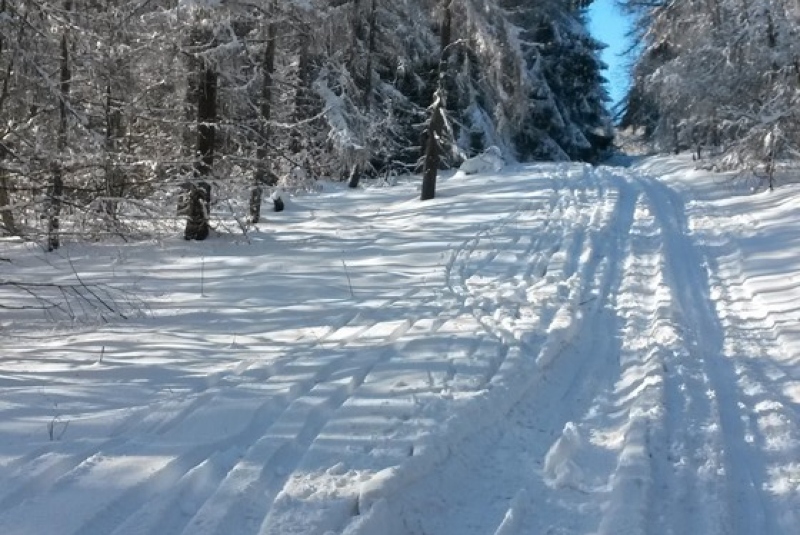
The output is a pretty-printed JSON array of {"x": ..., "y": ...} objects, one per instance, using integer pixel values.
[
  {"x": 551, "y": 348},
  {"x": 489, "y": 161}
]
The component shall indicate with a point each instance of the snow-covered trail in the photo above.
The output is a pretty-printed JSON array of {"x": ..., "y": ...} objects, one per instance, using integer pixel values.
[
  {"x": 555, "y": 349},
  {"x": 644, "y": 421}
]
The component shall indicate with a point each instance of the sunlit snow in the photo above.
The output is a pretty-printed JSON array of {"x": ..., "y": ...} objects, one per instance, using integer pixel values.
[{"x": 552, "y": 348}]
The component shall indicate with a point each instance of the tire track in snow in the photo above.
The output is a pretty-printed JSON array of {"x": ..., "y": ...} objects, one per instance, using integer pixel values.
[
  {"x": 149, "y": 495},
  {"x": 642, "y": 391},
  {"x": 585, "y": 369},
  {"x": 35, "y": 472},
  {"x": 41, "y": 470},
  {"x": 166, "y": 494},
  {"x": 739, "y": 506},
  {"x": 336, "y": 336},
  {"x": 271, "y": 452},
  {"x": 668, "y": 478},
  {"x": 770, "y": 424},
  {"x": 530, "y": 395},
  {"x": 421, "y": 387},
  {"x": 766, "y": 439},
  {"x": 164, "y": 498},
  {"x": 244, "y": 492},
  {"x": 468, "y": 269},
  {"x": 246, "y": 495},
  {"x": 466, "y": 249}
]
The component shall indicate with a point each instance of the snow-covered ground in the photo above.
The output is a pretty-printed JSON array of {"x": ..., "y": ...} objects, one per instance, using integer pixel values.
[{"x": 550, "y": 349}]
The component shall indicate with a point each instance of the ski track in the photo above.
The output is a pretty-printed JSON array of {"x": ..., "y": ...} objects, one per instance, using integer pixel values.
[
  {"x": 684, "y": 463},
  {"x": 577, "y": 243},
  {"x": 618, "y": 344},
  {"x": 664, "y": 396},
  {"x": 687, "y": 431}
]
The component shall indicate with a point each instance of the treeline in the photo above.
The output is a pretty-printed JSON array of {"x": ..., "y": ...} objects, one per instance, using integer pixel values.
[
  {"x": 718, "y": 74},
  {"x": 111, "y": 108}
]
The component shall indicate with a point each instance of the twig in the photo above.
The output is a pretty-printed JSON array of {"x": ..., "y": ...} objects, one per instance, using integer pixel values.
[
  {"x": 89, "y": 290},
  {"x": 349, "y": 282},
  {"x": 202, "y": 276},
  {"x": 51, "y": 428}
]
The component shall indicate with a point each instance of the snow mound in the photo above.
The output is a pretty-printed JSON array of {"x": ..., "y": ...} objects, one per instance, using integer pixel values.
[
  {"x": 559, "y": 468},
  {"x": 489, "y": 161}
]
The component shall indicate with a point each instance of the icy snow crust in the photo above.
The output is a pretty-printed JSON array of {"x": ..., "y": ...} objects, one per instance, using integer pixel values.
[{"x": 553, "y": 349}]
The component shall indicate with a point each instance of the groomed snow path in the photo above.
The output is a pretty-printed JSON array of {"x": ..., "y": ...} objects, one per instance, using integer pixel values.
[{"x": 555, "y": 349}]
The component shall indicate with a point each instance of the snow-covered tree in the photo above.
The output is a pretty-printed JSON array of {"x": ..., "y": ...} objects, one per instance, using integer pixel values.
[
  {"x": 111, "y": 107},
  {"x": 721, "y": 73}
]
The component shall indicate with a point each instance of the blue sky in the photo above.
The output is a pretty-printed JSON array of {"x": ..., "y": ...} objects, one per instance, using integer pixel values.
[{"x": 609, "y": 25}]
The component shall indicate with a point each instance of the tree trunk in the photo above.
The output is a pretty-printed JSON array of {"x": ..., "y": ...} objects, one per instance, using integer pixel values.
[
  {"x": 356, "y": 34},
  {"x": 355, "y": 171},
  {"x": 303, "y": 107},
  {"x": 200, "y": 192},
  {"x": 446, "y": 32},
  {"x": 6, "y": 212},
  {"x": 262, "y": 175},
  {"x": 435, "y": 130},
  {"x": 373, "y": 32},
  {"x": 189, "y": 136},
  {"x": 206, "y": 120},
  {"x": 432, "y": 149},
  {"x": 56, "y": 192},
  {"x": 355, "y": 178},
  {"x": 113, "y": 174}
]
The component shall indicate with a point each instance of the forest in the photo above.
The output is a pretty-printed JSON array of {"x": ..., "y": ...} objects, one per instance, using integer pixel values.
[
  {"x": 119, "y": 114},
  {"x": 256, "y": 279},
  {"x": 717, "y": 75}
]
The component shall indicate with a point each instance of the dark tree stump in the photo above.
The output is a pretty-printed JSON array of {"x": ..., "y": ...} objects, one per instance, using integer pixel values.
[{"x": 194, "y": 204}]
